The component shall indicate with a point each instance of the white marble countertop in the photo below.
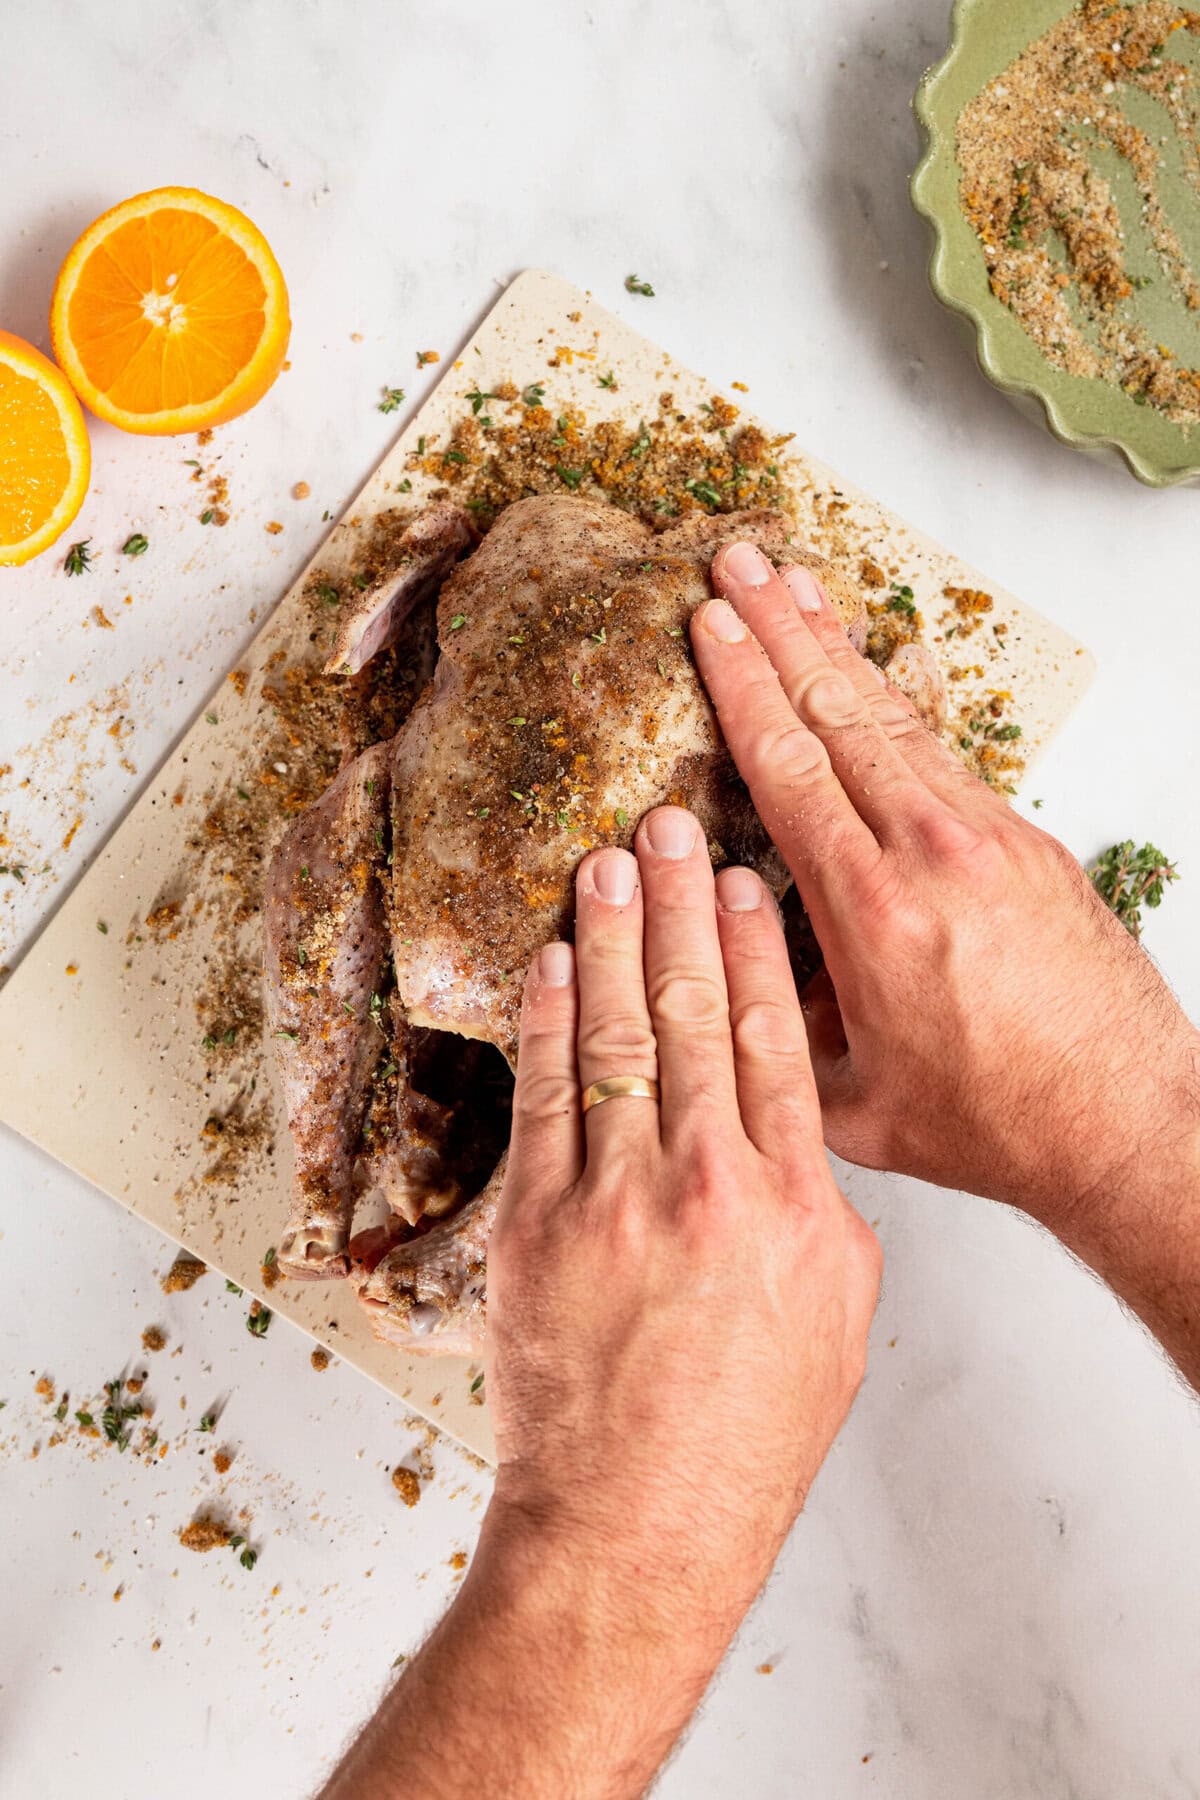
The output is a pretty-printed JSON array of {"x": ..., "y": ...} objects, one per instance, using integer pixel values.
[{"x": 995, "y": 1589}]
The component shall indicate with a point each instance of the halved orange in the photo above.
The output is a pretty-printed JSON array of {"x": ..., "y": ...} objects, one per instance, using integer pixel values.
[
  {"x": 170, "y": 313},
  {"x": 45, "y": 459}
]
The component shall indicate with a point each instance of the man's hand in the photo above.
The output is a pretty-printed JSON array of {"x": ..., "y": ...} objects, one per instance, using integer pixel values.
[
  {"x": 984, "y": 1021},
  {"x": 669, "y": 1287},
  {"x": 678, "y": 1306}
]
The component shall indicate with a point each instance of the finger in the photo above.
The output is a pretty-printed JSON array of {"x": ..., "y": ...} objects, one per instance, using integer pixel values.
[
  {"x": 931, "y": 760},
  {"x": 685, "y": 974},
  {"x": 546, "y": 1157},
  {"x": 828, "y": 848},
  {"x": 615, "y": 1033},
  {"x": 777, "y": 1096},
  {"x": 881, "y": 785}
]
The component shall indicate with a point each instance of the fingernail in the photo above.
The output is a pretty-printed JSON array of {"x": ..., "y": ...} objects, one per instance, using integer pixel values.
[
  {"x": 804, "y": 588},
  {"x": 556, "y": 965},
  {"x": 614, "y": 877},
  {"x": 671, "y": 832},
  {"x": 747, "y": 564},
  {"x": 739, "y": 890},
  {"x": 721, "y": 622}
]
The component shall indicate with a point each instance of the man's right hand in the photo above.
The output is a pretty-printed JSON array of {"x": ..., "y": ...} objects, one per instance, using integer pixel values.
[{"x": 985, "y": 1022}]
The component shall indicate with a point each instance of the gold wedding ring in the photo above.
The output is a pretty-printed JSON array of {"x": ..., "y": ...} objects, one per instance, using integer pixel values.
[{"x": 619, "y": 1087}]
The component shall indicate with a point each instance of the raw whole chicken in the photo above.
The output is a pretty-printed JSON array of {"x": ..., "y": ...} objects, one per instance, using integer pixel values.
[{"x": 404, "y": 908}]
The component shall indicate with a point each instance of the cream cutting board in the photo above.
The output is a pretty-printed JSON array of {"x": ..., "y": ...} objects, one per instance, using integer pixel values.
[{"x": 104, "y": 1069}]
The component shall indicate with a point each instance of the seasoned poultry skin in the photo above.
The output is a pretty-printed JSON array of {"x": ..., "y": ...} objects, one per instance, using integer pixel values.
[{"x": 564, "y": 704}]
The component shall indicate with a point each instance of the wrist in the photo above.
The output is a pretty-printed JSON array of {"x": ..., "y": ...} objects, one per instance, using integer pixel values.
[
  {"x": 602, "y": 1672},
  {"x": 596, "y": 1566},
  {"x": 1126, "y": 1154}
]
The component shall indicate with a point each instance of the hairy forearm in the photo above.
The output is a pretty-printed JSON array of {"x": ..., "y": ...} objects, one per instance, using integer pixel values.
[
  {"x": 1131, "y": 1208},
  {"x": 553, "y": 1673}
]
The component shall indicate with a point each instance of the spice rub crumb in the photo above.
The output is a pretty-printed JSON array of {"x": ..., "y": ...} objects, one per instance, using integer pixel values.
[
  {"x": 407, "y": 1484},
  {"x": 183, "y": 1273}
]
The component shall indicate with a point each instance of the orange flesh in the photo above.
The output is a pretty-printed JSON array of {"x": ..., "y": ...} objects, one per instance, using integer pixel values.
[
  {"x": 166, "y": 318},
  {"x": 31, "y": 440}
]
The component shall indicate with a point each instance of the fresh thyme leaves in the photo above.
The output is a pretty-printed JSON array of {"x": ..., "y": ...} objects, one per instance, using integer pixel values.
[
  {"x": 78, "y": 558},
  {"x": 248, "y": 1558},
  {"x": 622, "y": 817},
  {"x": 101, "y": 927},
  {"x": 293, "y": 1037},
  {"x": 211, "y": 718},
  {"x": 208, "y": 1422},
  {"x": 231, "y": 1287},
  {"x": 136, "y": 545},
  {"x": 116, "y": 1416},
  {"x": 258, "y": 1319},
  {"x": 375, "y": 1010},
  {"x": 902, "y": 600},
  {"x": 1127, "y": 879},
  {"x": 534, "y": 394},
  {"x": 60, "y": 1411},
  {"x": 572, "y": 477},
  {"x": 704, "y": 491},
  {"x": 86, "y": 1420},
  {"x": 269, "y": 1255},
  {"x": 206, "y": 517},
  {"x": 634, "y": 286},
  {"x": 479, "y": 400},
  {"x": 454, "y": 456},
  {"x": 458, "y": 621},
  {"x": 393, "y": 400},
  {"x": 477, "y": 1383},
  {"x": 608, "y": 381}
]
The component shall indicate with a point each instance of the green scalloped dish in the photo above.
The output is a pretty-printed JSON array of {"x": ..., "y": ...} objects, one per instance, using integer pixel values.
[{"x": 1088, "y": 413}]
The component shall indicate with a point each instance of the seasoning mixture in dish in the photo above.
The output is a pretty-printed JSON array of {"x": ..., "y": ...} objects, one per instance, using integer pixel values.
[{"x": 1108, "y": 82}]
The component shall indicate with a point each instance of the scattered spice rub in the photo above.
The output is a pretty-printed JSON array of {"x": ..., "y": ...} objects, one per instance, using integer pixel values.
[
  {"x": 320, "y": 1360},
  {"x": 407, "y": 1484},
  {"x": 1046, "y": 214},
  {"x": 205, "y": 1533},
  {"x": 516, "y": 443},
  {"x": 183, "y": 1274},
  {"x": 154, "y": 1338}
]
